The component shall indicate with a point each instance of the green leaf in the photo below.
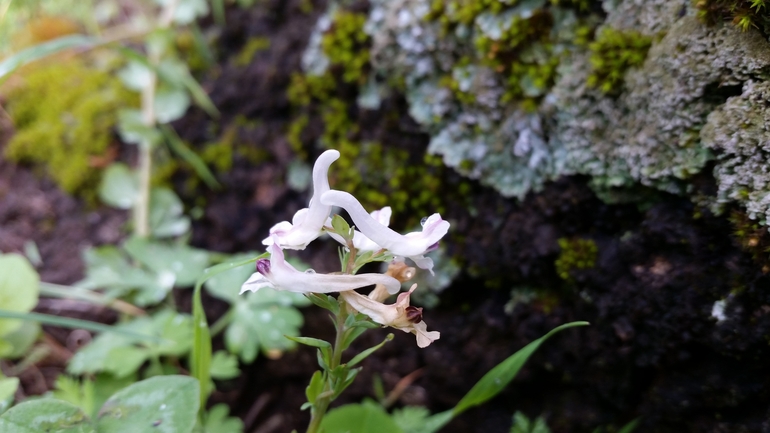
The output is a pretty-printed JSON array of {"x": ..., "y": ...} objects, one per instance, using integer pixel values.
[
  {"x": 8, "y": 387},
  {"x": 18, "y": 288},
  {"x": 363, "y": 355},
  {"x": 45, "y": 415},
  {"x": 37, "y": 52},
  {"x": 170, "y": 104},
  {"x": 224, "y": 366},
  {"x": 200, "y": 359},
  {"x": 19, "y": 342},
  {"x": 89, "y": 394},
  {"x": 630, "y": 427},
  {"x": 180, "y": 148},
  {"x": 218, "y": 421},
  {"x": 367, "y": 417},
  {"x": 73, "y": 391},
  {"x": 188, "y": 10},
  {"x": 498, "y": 378},
  {"x": 411, "y": 419},
  {"x": 342, "y": 227},
  {"x": 133, "y": 130},
  {"x": 315, "y": 387},
  {"x": 136, "y": 75},
  {"x": 161, "y": 403},
  {"x": 176, "y": 73},
  {"x": 522, "y": 424},
  {"x": 226, "y": 285},
  {"x": 260, "y": 321},
  {"x": 119, "y": 187},
  {"x": 324, "y": 301},
  {"x": 179, "y": 262},
  {"x": 108, "y": 268},
  {"x": 118, "y": 355},
  {"x": 167, "y": 217},
  {"x": 313, "y": 342}
]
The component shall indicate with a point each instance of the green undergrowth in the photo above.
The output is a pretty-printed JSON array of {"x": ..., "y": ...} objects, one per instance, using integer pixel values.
[
  {"x": 744, "y": 14},
  {"x": 64, "y": 114},
  {"x": 612, "y": 54}
]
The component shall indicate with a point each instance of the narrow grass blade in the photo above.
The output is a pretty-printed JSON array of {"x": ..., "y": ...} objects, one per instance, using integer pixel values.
[
  {"x": 66, "y": 322},
  {"x": 498, "y": 378},
  {"x": 180, "y": 148},
  {"x": 37, "y": 52},
  {"x": 200, "y": 358}
]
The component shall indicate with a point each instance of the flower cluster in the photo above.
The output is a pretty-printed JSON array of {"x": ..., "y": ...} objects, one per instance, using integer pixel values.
[{"x": 371, "y": 234}]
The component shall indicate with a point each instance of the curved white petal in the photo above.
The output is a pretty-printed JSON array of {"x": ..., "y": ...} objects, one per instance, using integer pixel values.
[
  {"x": 409, "y": 245},
  {"x": 424, "y": 337},
  {"x": 377, "y": 311},
  {"x": 307, "y": 223},
  {"x": 283, "y": 276}
]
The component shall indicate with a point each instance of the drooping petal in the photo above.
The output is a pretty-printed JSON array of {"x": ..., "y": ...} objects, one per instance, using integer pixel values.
[
  {"x": 410, "y": 245},
  {"x": 281, "y": 275},
  {"x": 307, "y": 223},
  {"x": 398, "y": 315},
  {"x": 377, "y": 311},
  {"x": 425, "y": 337}
]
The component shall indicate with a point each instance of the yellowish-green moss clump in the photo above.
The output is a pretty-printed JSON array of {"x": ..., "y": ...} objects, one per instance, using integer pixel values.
[
  {"x": 612, "y": 54},
  {"x": 346, "y": 45},
  {"x": 64, "y": 115},
  {"x": 576, "y": 254}
]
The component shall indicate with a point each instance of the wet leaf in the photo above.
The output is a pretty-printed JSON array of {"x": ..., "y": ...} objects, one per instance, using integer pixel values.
[
  {"x": 45, "y": 415},
  {"x": 367, "y": 417},
  {"x": 119, "y": 187},
  {"x": 18, "y": 289},
  {"x": 163, "y": 404}
]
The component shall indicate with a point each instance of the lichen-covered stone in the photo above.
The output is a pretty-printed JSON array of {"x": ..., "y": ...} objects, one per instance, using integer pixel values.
[
  {"x": 738, "y": 132},
  {"x": 516, "y": 94}
]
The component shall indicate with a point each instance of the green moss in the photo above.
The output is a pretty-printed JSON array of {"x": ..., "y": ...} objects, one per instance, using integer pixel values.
[
  {"x": 64, "y": 114},
  {"x": 576, "y": 254},
  {"x": 303, "y": 89},
  {"x": 744, "y": 14},
  {"x": 526, "y": 54},
  {"x": 252, "y": 47},
  {"x": 346, "y": 45},
  {"x": 612, "y": 54},
  {"x": 456, "y": 12}
]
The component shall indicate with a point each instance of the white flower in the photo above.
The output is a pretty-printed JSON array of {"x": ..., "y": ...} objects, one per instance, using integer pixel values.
[
  {"x": 307, "y": 223},
  {"x": 413, "y": 245},
  {"x": 360, "y": 241},
  {"x": 399, "y": 315},
  {"x": 280, "y": 275}
]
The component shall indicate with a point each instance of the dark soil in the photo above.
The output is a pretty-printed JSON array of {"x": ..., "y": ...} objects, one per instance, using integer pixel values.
[{"x": 652, "y": 351}]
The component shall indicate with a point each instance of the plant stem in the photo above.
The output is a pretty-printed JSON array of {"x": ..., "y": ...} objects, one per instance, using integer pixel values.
[
  {"x": 142, "y": 208},
  {"x": 325, "y": 398}
]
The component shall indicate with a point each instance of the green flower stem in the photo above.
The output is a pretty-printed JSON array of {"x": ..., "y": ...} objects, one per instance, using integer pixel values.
[{"x": 321, "y": 404}]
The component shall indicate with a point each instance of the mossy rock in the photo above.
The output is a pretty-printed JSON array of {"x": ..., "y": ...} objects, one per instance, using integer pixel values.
[{"x": 64, "y": 116}]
